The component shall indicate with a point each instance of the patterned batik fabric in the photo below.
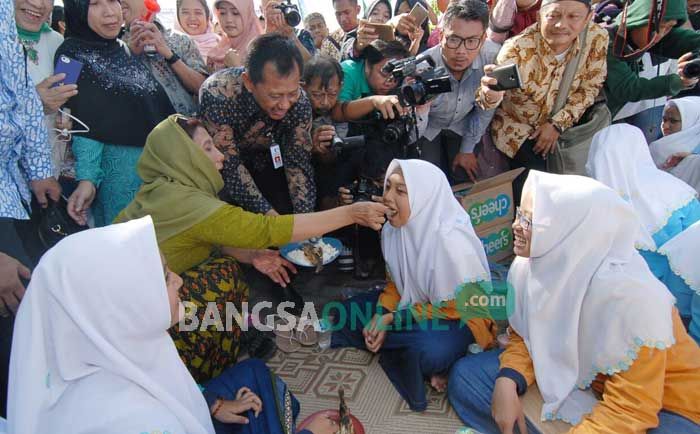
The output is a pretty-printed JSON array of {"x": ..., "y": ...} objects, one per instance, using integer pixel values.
[
  {"x": 25, "y": 150},
  {"x": 208, "y": 352},
  {"x": 183, "y": 101},
  {"x": 330, "y": 49},
  {"x": 526, "y": 109},
  {"x": 245, "y": 134}
]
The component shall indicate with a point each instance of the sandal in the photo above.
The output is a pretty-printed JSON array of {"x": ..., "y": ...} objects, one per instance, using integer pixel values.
[
  {"x": 285, "y": 339},
  {"x": 306, "y": 332},
  {"x": 290, "y": 341}
]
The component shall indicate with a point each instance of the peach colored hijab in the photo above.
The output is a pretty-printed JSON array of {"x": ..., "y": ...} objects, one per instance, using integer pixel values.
[{"x": 240, "y": 43}]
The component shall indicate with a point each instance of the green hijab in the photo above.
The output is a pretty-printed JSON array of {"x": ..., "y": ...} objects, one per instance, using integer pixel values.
[
  {"x": 638, "y": 13},
  {"x": 180, "y": 183}
]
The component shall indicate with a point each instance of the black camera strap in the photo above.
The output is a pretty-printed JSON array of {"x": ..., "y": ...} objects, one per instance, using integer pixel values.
[{"x": 657, "y": 12}]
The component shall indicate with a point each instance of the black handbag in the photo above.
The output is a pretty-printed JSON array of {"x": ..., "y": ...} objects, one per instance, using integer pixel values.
[{"x": 55, "y": 223}]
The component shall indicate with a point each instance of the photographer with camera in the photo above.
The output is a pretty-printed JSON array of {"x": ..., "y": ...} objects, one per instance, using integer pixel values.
[
  {"x": 369, "y": 101},
  {"x": 281, "y": 16},
  {"x": 455, "y": 123},
  {"x": 323, "y": 79},
  {"x": 524, "y": 127},
  {"x": 654, "y": 27}
]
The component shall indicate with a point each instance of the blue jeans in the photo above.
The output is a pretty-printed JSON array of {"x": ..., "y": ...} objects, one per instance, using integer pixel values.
[
  {"x": 471, "y": 386},
  {"x": 411, "y": 354},
  {"x": 470, "y": 389}
]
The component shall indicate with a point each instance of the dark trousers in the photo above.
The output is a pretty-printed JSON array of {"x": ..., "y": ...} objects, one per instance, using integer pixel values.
[
  {"x": 441, "y": 151},
  {"x": 410, "y": 354},
  {"x": 12, "y": 234},
  {"x": 274, "y": 187},
  {"x": 526, "y": 158}
]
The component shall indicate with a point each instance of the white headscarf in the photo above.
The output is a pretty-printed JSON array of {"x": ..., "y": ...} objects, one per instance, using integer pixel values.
[
  {"x": 585, "y": 301},
  {"x": 620, "y": 159},
  {"x": 682, "y": 253},
  {"x": 688, "y": 170},
  {"x": 91, "y": 352},
  {"x": 437, "y": 251},
  {"x": 687, "y": 139}
]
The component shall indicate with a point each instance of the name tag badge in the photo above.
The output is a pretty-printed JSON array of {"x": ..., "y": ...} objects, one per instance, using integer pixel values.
[{"x": 276, "y": 154}]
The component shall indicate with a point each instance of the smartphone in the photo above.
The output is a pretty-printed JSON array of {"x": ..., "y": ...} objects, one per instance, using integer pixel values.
[
  {"x": 419, "y": 13},
  {"x": 508, "y": 77},
  {"x": 70, "y": 67},
  {"x": 385, "y": 32}
]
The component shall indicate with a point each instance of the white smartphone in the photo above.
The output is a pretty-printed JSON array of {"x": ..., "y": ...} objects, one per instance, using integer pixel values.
[{"x": 419, "y": 13}]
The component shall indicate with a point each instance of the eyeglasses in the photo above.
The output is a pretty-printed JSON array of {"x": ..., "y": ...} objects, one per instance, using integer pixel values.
[
  {"x": 522, "y": 219},
  {"x": 453, "y": 42},
  {"x": 322, "y": 95},
  {"x": 388, "y": 77}
]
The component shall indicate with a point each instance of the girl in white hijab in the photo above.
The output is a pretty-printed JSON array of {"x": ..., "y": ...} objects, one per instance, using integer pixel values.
[
  {"x": 684, "y": 276},
  {"x": 91, "y": 353},
  {"x": 586, "y": 312},
  {"x": 677, "y": 152},
  {"x": 435, "y": 263},
  {"x": 665, "y": 205}
]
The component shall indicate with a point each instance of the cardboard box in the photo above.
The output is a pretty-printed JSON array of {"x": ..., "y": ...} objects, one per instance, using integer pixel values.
[{"x": 490, "y": 206}]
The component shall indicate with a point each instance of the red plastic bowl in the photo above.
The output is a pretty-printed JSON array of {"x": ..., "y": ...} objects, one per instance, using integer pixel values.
[{"x": 332, "y": 414}]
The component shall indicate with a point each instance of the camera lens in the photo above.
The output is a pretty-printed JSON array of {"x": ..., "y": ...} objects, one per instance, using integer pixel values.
[
  {"x": 414, "y": 93},
  {"x": 692, "y": 69},
  {"x": 292, "y": 16},
  {"x": 391, "y": 135}
]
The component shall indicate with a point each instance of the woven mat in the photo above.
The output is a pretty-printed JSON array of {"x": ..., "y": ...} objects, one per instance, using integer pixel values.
[{"x": 315, "y": 376}]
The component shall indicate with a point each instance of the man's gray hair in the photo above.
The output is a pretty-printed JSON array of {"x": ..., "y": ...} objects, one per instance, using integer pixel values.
[{"x": 313, "y": 16}]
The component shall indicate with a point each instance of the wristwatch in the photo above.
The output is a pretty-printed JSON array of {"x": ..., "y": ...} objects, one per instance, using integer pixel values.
[{"x": 174, "y": 58}]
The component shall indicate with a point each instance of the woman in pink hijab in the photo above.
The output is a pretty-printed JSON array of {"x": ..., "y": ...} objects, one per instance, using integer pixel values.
[
  {"x": 194, "y": 20},
  {"x": 240, "y": 25}
]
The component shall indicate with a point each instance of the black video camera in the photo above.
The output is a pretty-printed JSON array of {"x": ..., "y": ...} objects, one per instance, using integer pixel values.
[
  {"x": 290, "y": 12},
  {"x": 692, "y": 68},
  {"x": 429, "y": 82},
  {"x": 363, "y": 189},
  {"x": 339, "y": 145}
]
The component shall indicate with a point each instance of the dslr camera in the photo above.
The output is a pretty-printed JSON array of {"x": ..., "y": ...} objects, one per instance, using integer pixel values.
[
  {"x": 290, "y": 12},
  {"x": 692, "y": 68},
  {"x": 363, "y": 189},
  {"x": 394, "y": 131},
  {"x": 428, "y": 82}
]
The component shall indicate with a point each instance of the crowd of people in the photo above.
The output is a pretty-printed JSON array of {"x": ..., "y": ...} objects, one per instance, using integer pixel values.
[{"x": 173, "y": 163}]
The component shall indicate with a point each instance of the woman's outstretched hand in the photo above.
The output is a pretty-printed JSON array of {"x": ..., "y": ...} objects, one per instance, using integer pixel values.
[{"x": 369, "y": 214}]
